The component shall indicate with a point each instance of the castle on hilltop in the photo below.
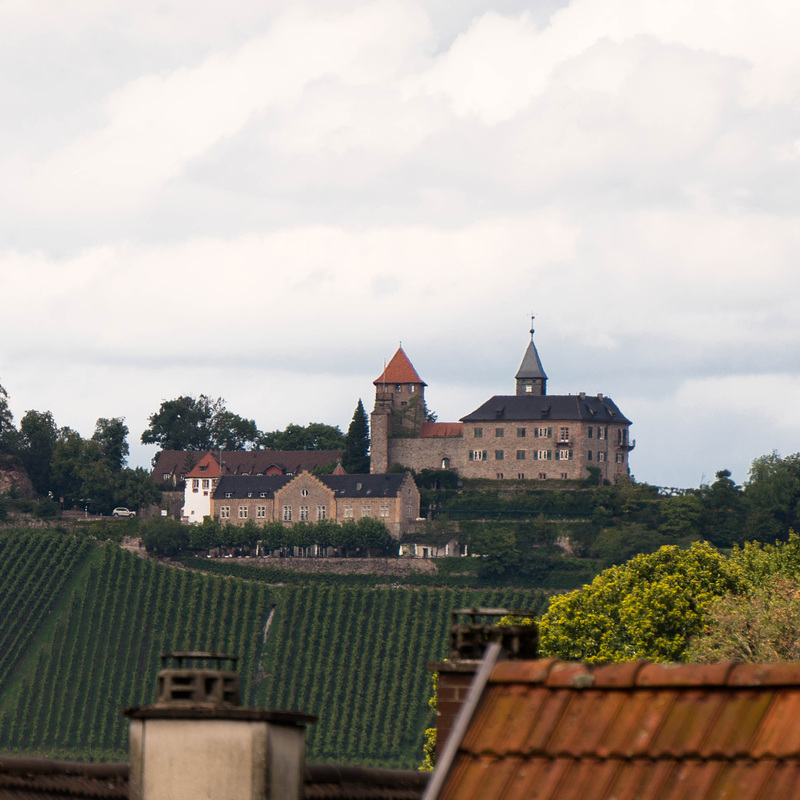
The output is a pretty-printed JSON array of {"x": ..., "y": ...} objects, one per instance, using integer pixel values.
[{"x": 526, "y": 435}]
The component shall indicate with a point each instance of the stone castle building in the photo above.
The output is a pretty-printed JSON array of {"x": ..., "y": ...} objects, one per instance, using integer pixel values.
[{"x": 526, "y": 435}]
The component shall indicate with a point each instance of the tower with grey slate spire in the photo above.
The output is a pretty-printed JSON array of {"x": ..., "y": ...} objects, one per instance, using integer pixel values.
[{"x": 531, "y": 378}]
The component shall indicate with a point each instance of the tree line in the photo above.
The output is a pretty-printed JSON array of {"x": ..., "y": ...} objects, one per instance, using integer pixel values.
[
  {"x": 365, "y": 537},
  {"x": 93, "y": 473}
]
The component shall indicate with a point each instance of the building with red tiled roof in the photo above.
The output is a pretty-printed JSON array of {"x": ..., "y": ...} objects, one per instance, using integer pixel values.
[
  {"x": 527, "y": 435},
  {"x": 554, "y": 730}
]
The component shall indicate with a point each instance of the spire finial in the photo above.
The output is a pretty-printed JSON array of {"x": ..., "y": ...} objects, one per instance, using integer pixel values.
[{"x": 532, "y": 319}]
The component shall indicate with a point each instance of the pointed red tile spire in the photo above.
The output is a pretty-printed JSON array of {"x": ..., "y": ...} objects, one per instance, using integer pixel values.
[{"x": 399, "y": 370}]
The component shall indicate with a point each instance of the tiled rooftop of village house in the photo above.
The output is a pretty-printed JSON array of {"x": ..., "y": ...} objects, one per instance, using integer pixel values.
[{"x": 557, "y": 730}]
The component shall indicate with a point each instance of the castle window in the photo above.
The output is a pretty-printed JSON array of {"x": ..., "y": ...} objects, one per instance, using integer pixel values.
[
  {"x": 304, "y": 492},
  {"x": 195, "y": 484},
  {"x": 224, "y": 512},
  {"x": 322, "y": 512},
  {"x": 477, "y": 455},
  {"x": 478, "y": 433},
  {"x": 601, "y": 456},
  {"x": 563, "y": 434},
  {"x": 564, "y": 455},
  {"x": 521, "y": 476},
  {"x": 499, "y": 455},
  {"x": 411, "y": 388},
  {"x": 542, "y": 476},
  {"x": 384, "y": 511},
  {"x": 445, "y": 463},
  {"x": 590, "y": 431},
  {"x": 261, "y": 512},
  {"x": 403, "y": 403},
  {"x": 520, "y": 455},
  {"x": 564, "y": 476},
  {"x": 303, "y": 513},
  {"x": 620, "y": 458},
  {"x": 348, "y": 512},
  {"x": 589, "y": 456},
  {"x": 398, "y": 388},
  {"x": 522, "y": 433},
  {"x": 242, "y": 512},
  {"x": 543, "y": 433},
  {"x": 228, "y": 494},
  {"x": 206, "y": 483},
  {"x": 601, "y": 433},
  {"x": 499, "y": 476},
  {"x": 366, "y": 511},
  {"x": 499, "y": 433},
  {"x": 287, "y": 513},
  {"x": 543, "y": 455},
  {"x": 622, "y": 436},
  {"x": 528, "y": 388}
]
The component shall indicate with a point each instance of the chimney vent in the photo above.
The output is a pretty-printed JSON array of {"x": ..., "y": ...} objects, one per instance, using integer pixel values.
[
  {"x": 518, "y": 640},
  {"x": 191, "y": 682}
]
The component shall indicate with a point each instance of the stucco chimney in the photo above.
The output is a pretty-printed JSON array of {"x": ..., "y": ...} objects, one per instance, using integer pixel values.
[{"x": 197, "y": 741}]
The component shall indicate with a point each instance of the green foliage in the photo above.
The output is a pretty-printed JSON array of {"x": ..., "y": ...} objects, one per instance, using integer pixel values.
[
  {"x": 189, "y": 423},
  {"x": 38, "y": 435},
  {"x": 760, "y": 627},
  {"x": 8, "y": 433},
  {"x": 314, "y": 436},
  {"x": 647, "y": 608},
  {"x": 773, "y": 496},
  {"x": 111, "y": 435},
  {"x": 355, "y": 458},
  {"x": 334, "y": 651},
  {"x": 164, "y": 536}
]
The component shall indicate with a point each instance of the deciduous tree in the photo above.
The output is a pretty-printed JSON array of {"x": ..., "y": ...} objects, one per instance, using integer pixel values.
[
  {"x": 649, "y": 607},
  {"x": 37, "y": 440}
]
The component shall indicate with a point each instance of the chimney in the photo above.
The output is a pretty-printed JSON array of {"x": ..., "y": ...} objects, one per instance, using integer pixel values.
[
  {"x": 468, "y": 641},
  {"x": 197, "y": 741}
]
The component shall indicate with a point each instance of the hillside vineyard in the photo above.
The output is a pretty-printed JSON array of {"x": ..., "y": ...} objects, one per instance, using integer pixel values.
[{"x": 81, "y": 628}]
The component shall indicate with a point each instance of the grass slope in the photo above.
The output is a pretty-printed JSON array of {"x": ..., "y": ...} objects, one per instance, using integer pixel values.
[{"x": 354, "y": 655}]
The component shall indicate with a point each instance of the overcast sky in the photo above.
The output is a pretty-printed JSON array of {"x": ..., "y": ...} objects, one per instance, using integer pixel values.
[{"x": 259, "y": 200}]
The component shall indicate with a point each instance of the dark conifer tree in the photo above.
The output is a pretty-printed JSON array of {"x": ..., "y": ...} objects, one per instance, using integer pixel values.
[{"x": 356, "y": 443}]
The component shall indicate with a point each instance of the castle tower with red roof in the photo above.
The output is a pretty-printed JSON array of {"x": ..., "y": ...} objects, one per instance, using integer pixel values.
[{"x": 399, "y": 408}]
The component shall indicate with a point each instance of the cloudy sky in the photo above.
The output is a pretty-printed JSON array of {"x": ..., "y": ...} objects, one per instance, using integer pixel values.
[{"x": 259, "y": 200}]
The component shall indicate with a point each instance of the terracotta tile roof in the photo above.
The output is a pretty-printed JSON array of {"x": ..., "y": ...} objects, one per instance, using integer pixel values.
[
  {"x": 244, "y": 462},
  {"x": 399, "y": 370},
  {"x": 555, "y": 730},
  {"x": 206, "y": 467},
  {"x": 430, "y": 430}
]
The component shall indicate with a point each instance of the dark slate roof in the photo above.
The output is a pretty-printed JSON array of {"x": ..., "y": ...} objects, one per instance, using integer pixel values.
[
  {"x": 559, "y": 730},
  {"x": 47, "y": 779},
  {"x": 554, "y": 407},
  {"x": 334, "y": 782},
  {"x": 238, "y": 486},
  {"x": 531, "y": 366},
  {"x": 379, "y": 485},
  {"x": 386, "y": 485}
]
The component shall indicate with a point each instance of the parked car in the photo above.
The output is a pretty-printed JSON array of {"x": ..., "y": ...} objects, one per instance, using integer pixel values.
[{"x": 122, "y": 512}]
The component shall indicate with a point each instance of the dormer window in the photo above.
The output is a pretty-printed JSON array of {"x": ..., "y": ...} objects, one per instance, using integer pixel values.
[{"x": 228, "y": 494}]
